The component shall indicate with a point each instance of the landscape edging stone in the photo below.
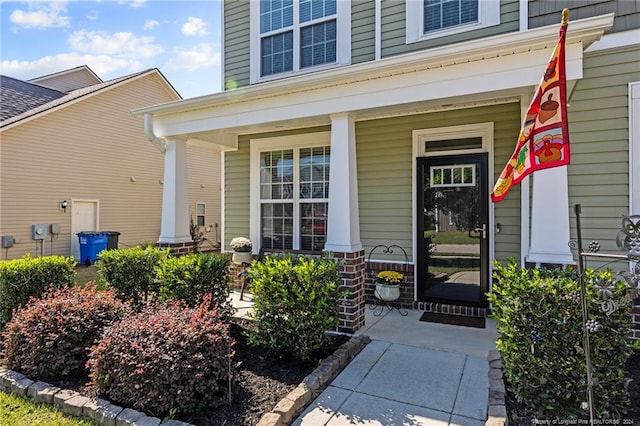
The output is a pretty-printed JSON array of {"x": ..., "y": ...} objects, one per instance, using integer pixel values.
[{"x": 298, "y": 399}]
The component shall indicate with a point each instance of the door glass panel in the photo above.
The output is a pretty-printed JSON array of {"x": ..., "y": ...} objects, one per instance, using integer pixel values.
[{"x": 454, "y": 246}]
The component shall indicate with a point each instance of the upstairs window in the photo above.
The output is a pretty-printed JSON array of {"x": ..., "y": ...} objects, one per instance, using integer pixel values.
[
  {"x": 297, "y": 36},
  {"x": 439, "y": 14},
  {"x": 428, "y": 19}
]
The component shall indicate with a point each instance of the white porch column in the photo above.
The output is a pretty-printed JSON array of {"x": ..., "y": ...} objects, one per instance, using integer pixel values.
[
  {"x": 343, "y": 227},
  {"x": 550, "y": 218},
  {"x": 175, "y": 195}
]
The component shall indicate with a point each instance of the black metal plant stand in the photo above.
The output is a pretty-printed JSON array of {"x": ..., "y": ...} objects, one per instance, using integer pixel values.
[
  {"x": 244, "y": 274},
  {"x": 380, "y": 304},
  {"x": 628, "y": 239}
]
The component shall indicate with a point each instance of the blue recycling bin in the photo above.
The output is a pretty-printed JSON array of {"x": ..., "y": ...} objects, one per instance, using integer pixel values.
[{"x": 91, "y": 244}]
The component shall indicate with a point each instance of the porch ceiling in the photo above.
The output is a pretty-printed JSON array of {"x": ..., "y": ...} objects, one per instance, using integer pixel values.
[{"x": 494, "y": 69}]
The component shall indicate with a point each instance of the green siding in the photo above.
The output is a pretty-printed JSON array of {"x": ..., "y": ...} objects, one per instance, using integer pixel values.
[
  {"x": 363, "y": 27},
  {"x": 598, "y": 125},
  {"x": 236, "y": 194},
  {"x": 394, "y": 32},
  {"x": 236, "y": 43},
  {"x": 385, "y": 164},
  {"x": 545, "y": 12}
]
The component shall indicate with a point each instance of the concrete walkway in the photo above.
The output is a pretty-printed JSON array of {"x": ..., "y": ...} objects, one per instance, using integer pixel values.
[{"x": 412, "y": 373}]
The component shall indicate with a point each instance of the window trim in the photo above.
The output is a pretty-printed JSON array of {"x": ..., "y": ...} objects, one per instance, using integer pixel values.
[
  {"x": 343, "y": 42},
  {"x": 634, "y": 148},
  {"x": 257, "y": 146},
  {"x": 488, "y": 15},
  {"x": 204, "y": 215}
]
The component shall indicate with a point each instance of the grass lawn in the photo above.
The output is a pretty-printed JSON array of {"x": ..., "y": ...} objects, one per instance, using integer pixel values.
[
  {"x": 17, "y": 411},
  {"x": 86, "y": 273},
  {"x": 451, "y": 237}
]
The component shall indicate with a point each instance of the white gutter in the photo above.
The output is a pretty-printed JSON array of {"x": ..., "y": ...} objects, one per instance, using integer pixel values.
[{"x": 148, "y": 131}]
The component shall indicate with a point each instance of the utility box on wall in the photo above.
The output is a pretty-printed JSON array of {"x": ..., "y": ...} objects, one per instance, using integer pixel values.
[
  {"x": 7, "y": 241},
  {"x": 39, "y": 232}
]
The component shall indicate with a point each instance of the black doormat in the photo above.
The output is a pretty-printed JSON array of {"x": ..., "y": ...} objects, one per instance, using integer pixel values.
[{"x": 463, "y": 320}]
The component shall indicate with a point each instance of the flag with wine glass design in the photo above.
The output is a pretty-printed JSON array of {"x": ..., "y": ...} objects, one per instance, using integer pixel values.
[{"x": 544, "y": 136}]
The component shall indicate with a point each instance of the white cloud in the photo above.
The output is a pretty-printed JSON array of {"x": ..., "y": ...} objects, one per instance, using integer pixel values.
[
  {"x": 42, "y": 15},
  {"x": 150, "y": 24},
  {"x": 194, "y": 27},
  {"x": 93, "y": 15},
  {"x": 101, "y": 64},
  {"x": 193, "y": 59},
  {"x": 122, "y": 44},
  {"x": 133, "y": 3}
]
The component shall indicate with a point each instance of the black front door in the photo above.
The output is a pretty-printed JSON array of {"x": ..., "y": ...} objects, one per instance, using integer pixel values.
[{"x": 453, "y": 229}]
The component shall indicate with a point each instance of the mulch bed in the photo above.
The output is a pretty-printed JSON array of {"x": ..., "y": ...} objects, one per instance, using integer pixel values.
[
  {"x": 520, "y": 417},
  {"x": 262, "y": 378}
]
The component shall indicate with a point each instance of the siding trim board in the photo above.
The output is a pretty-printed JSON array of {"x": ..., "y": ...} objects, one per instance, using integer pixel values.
[{"x": 493, "y": 52}]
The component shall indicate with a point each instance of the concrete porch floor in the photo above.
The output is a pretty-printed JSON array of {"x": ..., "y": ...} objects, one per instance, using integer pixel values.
[{"x": 412, "y": 373}]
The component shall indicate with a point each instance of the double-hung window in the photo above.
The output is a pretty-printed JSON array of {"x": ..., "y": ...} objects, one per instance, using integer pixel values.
[
  {"x": 290, "y": 36},
  {"x": 292, "y": 196},
  {"x": 428, "y": 19}
]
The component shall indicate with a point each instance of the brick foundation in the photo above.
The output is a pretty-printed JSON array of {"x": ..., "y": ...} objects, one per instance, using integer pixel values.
[
  {"x": 351, "y": 309},
  {"x": 235, "y": 279},
  {"x": 406, "y": 299},
  {"x": 178, "y": 249},
  {"x": 443, "y": 308}
]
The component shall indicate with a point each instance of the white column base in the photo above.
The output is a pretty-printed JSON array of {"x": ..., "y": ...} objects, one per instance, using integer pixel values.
[
  {"x": 174, "y": 227},
  {"x": 550, "y": 218}
]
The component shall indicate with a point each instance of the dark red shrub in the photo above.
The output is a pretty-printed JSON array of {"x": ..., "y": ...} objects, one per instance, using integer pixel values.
[
  {"x": 168, "y": 358},
  {"x": 50, "y": 337}
]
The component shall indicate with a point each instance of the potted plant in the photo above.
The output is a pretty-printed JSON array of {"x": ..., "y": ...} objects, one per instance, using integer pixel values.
[
  {"x": 241, "y": 250},
  {"x": 388, "y": 285}
]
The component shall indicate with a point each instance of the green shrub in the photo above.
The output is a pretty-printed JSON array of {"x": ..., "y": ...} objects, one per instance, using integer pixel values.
[
  {"x": 167, "y": 358},
  {"x": 295, "y": 303},
  {"x": 49, "y": 338},
  {"x": 539, "y": 318},
  {"x": 192, "y": 276},
  {"x": 132, "y": 272},
  {"x": 28, "y": 277}
]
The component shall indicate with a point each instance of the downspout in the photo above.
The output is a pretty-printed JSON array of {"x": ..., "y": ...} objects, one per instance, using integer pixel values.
[{"x": 148, "y": 131}]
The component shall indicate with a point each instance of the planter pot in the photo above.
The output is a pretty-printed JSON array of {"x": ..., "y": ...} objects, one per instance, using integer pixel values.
[
  {"x": 241, "y": 256},
  {"x": 386, "y": 292}
]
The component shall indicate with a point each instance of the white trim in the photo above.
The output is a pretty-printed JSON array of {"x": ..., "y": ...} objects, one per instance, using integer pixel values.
[
  {"x": 204, "y": 215},
  {"x": 634, "y": 148},
  {"x": 256, "y": 146},
  {"x": 223, "y": 198},
  {"x": 488, "y": 16},
  {"x": 419, "y": 136},
  {"x": 513, "y": 60},
  {"x": 343, "y": 41},
  {"x": 524, "y": 15},
  {"x": 612, "y": 41},
  {"x": 378, "y": 30},
  {"x": 74, "y": 250},
  {"x": 525, "y": 193},
  {"x": 223, "y": 71}
]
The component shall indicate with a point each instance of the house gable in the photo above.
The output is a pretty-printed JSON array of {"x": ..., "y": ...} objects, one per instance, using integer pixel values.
[{"x": 68, "y": 80}]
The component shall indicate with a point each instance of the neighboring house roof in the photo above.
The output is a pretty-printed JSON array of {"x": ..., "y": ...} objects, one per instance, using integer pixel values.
[
  {"x": 17, "y": 97},
  {"x": 20, "y": 90},
  {"x": 68, "y": 80}
]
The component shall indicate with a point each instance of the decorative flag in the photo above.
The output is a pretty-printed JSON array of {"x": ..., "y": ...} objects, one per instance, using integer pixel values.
[{"x": 544, "y": 136}]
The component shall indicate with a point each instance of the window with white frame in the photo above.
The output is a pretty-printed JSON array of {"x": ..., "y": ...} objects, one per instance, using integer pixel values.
[
  {"x": 426, "y": 19},
  {"x": 293, "y": 196},
  {"x": 289, "y": 36},
  {"x": 200, "y": 214}
]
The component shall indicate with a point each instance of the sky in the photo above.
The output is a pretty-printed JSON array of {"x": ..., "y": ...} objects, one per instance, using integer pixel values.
[{"x": 182, "y": 38}]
